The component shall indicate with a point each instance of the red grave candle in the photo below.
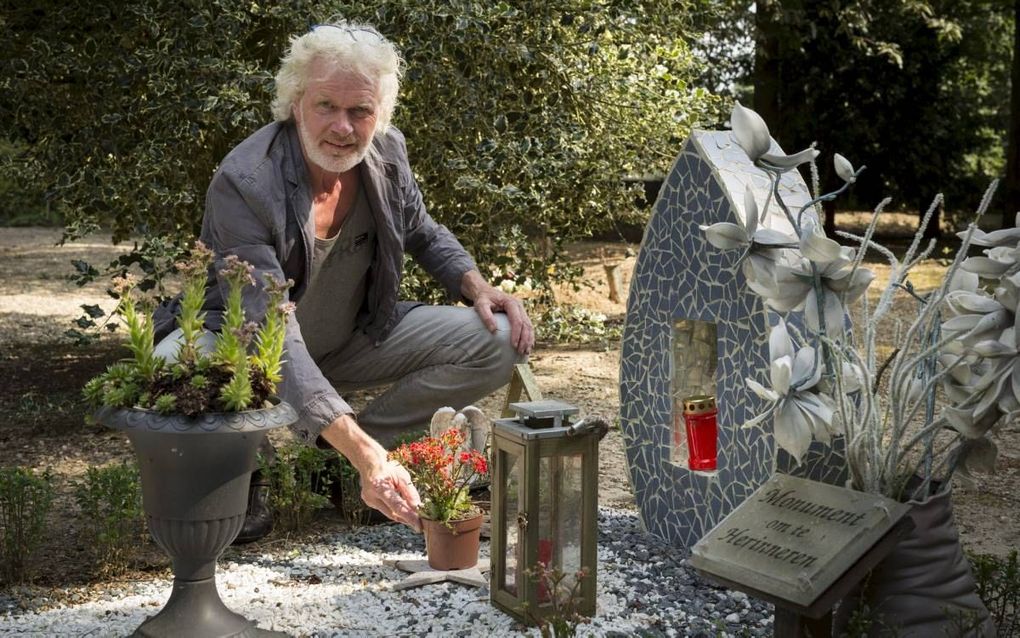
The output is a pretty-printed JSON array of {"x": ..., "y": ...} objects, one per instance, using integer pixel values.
[{"x": 702, "y": 432}]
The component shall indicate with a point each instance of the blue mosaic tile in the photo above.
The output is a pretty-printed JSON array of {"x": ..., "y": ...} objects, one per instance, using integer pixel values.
[{"x": 678, "y": 275}]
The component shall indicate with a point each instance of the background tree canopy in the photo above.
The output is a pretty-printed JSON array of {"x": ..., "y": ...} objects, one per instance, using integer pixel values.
[
  {"x": 916, "y": 89},
  {"x": 522, "y": 118}
]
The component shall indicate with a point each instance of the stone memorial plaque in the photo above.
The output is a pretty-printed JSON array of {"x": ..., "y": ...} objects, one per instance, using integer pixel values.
[{"x": 793, "y": 538}]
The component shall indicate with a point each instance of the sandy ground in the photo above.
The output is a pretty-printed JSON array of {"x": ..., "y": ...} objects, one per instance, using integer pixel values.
[{"x": 37, "y": 303}]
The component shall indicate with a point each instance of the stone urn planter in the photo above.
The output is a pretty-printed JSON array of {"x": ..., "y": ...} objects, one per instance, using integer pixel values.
[
  {"x": 453, "y": 545},
  {"x": 195, "y": 474}
]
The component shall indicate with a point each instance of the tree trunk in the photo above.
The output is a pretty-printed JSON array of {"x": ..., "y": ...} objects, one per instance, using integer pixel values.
[
  {"x": 767, "y": 77},
  {"x": 1011, "y": 184},
  {"x": 829, "y": 223}
]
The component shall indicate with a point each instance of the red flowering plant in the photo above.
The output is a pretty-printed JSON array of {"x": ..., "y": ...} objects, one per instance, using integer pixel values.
[{"x": 443, "y": 473}]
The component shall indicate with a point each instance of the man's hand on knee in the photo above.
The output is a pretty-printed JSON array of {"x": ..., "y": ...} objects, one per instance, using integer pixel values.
[
  {"x": 488, "y": 299},
  {"x": 385, "y": 485}
]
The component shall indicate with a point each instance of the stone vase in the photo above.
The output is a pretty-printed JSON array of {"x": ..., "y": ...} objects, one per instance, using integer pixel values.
[
  {"x": 924, "y": 588},
  {"x": 453, "y": 545},
  {"x": 195, "y": 474}
]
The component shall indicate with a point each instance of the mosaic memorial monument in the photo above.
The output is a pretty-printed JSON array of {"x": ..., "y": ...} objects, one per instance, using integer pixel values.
[{"x": 694, "y": 328}]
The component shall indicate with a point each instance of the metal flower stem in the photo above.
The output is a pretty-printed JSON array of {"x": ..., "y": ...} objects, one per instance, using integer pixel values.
[
  {"x": 823, "y": 352},
  {"x": 929, "y": 408},
  {"x": 825, "y": 198}
]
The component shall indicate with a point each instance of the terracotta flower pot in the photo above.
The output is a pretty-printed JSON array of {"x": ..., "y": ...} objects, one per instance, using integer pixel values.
[{"x": 454, "y": 546}]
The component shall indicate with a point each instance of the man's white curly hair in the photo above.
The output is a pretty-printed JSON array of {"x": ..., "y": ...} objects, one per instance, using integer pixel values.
[{"x": 349, "y": 46}]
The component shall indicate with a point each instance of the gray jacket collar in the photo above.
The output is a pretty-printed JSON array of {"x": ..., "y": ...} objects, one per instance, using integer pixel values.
[{"x": 377, "y": 178}]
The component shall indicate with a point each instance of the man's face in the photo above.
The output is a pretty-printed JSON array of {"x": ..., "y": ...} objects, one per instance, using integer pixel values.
[{"x": 336, "y": 117}]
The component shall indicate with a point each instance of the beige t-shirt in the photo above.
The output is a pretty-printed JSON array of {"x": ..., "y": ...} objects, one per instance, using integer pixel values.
[{"x": 339, "y": 277}]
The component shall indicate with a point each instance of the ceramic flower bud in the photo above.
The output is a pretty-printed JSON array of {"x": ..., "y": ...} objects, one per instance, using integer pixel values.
[
  {"x": 750, "y": 131},
  {"x": 962, "y": 302},
  {"x": 962, "y": 420},
  {"x": 996, "y": 264},
  {"x": 752, "y": 135},
  {"x": 1003, "y": 237},
  {"x": 915, "y": 389},
  {"x": 964, "y": 280},
  {"x": 993, "y": 349},
  {"x": 853, "y": 377},
  {"x": 844, "y": 168},
  {"x": 979, "y": 455},
  {"x": 726, "y": 236}
]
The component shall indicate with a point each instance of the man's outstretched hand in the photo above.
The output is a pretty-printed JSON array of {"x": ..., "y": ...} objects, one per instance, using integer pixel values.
[
  {"x": 389, "y": 489},
  {"x": 385, "y": 485}
]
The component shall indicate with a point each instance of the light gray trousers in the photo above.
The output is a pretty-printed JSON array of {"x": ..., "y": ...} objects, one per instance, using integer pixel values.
[{"x": 436, "y": 356}]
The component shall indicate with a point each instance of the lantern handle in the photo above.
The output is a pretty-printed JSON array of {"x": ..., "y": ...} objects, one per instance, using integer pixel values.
[{"x": 588, "y": 425}]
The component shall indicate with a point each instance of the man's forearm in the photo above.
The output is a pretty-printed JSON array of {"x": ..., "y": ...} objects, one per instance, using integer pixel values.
[
  {"x": 347, "y": 437},
  {"x": 471, "y": 284}
]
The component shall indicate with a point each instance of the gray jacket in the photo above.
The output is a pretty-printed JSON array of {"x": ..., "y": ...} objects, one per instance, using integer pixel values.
[{"x": 258, "y": 207}]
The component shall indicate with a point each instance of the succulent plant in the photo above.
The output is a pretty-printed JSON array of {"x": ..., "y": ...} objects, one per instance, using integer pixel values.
[{"x": 240, "y": 372}]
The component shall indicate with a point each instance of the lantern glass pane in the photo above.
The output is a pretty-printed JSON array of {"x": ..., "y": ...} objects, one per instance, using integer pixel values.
[
  {"x": 512, "y": 499},
  {"x": 694, "y": 364},
  {"x": 559, "y": 529}
]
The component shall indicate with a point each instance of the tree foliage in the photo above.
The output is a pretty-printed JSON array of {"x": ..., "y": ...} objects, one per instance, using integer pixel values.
[
  {"x": 916, "y": 89},
  {"x": 126, "y": 108},
  {"x": 521, "y": 119}
]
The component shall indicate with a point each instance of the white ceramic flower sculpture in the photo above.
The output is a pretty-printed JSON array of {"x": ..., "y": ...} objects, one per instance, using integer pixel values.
[
  {"x": 806, "y": 272},
  {"x": 752, "y": 135},
  {"x": 965, "y": 337},
  {"x": 981, "y": 358},
  {"x": 802, "y": 413}
]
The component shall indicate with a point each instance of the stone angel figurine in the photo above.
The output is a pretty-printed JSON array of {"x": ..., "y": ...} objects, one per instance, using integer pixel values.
[{"x": 471, "y": 422}]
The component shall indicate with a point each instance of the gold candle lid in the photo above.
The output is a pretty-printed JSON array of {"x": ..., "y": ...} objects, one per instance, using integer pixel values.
[{"x": 699, "y": 404}]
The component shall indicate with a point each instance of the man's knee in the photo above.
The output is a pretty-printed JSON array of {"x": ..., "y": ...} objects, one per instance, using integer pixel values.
[{"x": 501, "y": 356}]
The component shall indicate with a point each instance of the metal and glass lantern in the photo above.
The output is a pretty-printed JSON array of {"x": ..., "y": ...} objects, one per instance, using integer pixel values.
[{"x": 544, "y": 509}]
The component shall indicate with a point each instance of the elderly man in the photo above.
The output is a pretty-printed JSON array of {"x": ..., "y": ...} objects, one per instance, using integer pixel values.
[{"x": 325, "y": 196}]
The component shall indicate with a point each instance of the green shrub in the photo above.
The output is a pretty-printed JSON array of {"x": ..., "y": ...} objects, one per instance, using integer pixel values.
[
  {"x": 297, "y": 479},
  {"x": 574, "y": 324},
  {"x": 25, "y": 499},
  {"x": 998, "y": 583},
  {"x": 110, "y": 500},
  {"x": 522, "y": 119},
  {"x": 344, "y": 485}
]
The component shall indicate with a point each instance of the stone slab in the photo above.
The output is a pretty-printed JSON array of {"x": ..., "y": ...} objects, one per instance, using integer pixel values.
[
  {"x": 793, "y": 538},
  {"x": 423, "y": 574}
]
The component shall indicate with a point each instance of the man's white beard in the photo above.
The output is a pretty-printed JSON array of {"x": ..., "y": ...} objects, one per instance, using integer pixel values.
[{"x": 328, "y": 162}]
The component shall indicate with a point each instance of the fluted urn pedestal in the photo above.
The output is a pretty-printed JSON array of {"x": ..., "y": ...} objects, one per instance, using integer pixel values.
[{"x": 195, "y": 474}]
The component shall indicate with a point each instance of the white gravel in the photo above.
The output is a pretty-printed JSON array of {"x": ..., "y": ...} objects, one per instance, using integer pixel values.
[{"x": 340, "y": 586}]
